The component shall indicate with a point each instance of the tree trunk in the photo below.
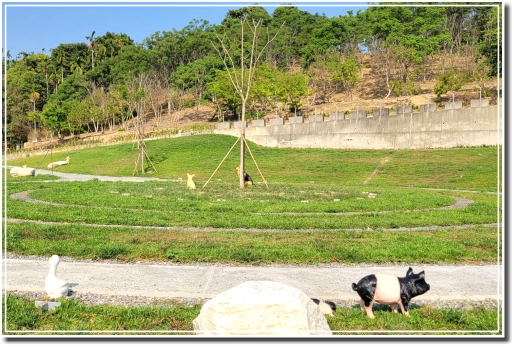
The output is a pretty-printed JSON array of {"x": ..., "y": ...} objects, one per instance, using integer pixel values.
[{"x": 242, "y": 155}]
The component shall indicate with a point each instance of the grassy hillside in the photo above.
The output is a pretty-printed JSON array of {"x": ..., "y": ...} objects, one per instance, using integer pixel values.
[{"x": 456, "y": 168}]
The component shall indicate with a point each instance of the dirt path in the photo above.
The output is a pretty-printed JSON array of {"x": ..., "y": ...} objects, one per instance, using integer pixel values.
[
  {"x": 382, "y": 163},
  {"x": 168, "y": 280}
]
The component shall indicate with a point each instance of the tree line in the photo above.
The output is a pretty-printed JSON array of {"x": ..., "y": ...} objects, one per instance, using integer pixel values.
[{"x": 108, "y": 80}]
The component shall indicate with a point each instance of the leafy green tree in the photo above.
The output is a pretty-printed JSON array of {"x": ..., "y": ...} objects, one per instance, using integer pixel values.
[
  {"x": 171, "y": 49},
  {"x": 357, "y": 31},
  {"x": 195, "y": 76},
  {"x": 75, "y": 116},
  {"x": 402, "y": 37},
  {"x": 93, "y": 112},
  {"x": 76, "y": 66},
  {"x": 20, "y": 83},
  {"x": 34, "y": 96},
  {"x": 64, "y": 54},
  {"x": 75, "y": 87},
  {"x": 251, "y": 13},
  {"x": 348, "y": 76},
  {"x": 264, "y": 90},
  {"x": 450, "y": 81},
  {"x": 35, "y": 118},
  {"x": 491, "y": 37},
  {"x": 131, "y": 60},
  {"x": 120, "y": 99},
  {"x": 331, "y": 35},
  {"x": 223, "y": 93},
  {"x": 79, "y": 115},
  {"x": 54, "y": 118},
  {"x": 403, "y": 41},
  {"x": 295, "y": 34},
  {"x": 292, "y": 89},
  {"x": 100, "y": 52},
  {"x": 455, "y": 21},
  {"x": 402, "y": 88},
  {"x": 195, "y": 41},
  {"x": 113, "y": 43}
]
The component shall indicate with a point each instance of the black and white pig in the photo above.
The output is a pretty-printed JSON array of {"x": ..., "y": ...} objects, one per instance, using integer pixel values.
[{"x": 390, "y": 290}]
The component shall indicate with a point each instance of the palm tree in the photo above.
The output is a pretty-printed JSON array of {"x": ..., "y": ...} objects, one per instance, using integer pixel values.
[
  {"x": 34, "y": 96},
  {"x": 61, "y": 62},
  {"x": 92, "y": 48},
  {"x": 100, "y": 52},
  {"x": 45, "y": 66},
  {"x": 76, "y": 66},
  {"x": 54, "y": 76},
  {"x": 120, "y": 42},
  {"x": 28, "y": 59}
]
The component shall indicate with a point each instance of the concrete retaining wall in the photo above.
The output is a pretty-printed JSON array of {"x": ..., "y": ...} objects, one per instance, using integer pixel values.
[
  {"x": 452, "y": 105},
  {"x": 400, "y": 109},
  {"x": 295, "y": 120},
  {"x": 258, "y": 123},
  {"x": 276, "y": 121},
  {"x": 381, "y": 112},
  {"x": 467, "y": 127},
  {"x": 480, "y": 103}
]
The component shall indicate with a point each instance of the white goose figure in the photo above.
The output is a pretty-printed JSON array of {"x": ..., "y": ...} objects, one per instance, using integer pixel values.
[
  {"x": 59, "y": 163},
  {"x": 54, "y": 287}
]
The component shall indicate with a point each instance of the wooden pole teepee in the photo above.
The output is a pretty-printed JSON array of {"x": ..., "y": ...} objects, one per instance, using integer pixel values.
[
  {"x": 242, "y": 77},
  {"x": 243, "y": 141},
  {"x": 139, "y": 123},
  {"x": 142, "y": 151}
]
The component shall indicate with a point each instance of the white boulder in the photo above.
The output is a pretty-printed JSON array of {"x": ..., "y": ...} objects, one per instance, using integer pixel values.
[
  {"x": 257, "y": 308},
  {"x": 22, "y": 171}
]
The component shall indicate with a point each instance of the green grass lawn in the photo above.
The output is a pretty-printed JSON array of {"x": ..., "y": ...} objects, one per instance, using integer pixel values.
[
  {"x": 75, "y": 318},
  {"x": 454, "y": 246},
  {"x": 455, "y": 168},
  {"x": 305, "y": 215},
  {"x": 320, "y": 206}
]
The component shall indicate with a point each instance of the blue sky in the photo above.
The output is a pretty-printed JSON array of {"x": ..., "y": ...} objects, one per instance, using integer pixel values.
[{"x": 32, "y": 26}]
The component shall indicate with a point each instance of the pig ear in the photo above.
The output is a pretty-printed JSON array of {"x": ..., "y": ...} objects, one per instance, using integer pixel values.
[
  {"x": 409, "y": 272},
  {"x": 421, "y": 275}
]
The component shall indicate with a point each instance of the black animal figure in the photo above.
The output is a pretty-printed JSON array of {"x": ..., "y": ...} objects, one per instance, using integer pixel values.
[
  {"x": 247, "y": 179},
  {"x": 325, "y": 306},
  {"x": 390, "y": 290}
]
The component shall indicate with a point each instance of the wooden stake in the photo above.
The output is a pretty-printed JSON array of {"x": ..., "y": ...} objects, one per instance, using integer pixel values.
[
  {"x": 142, "y": 154},
  {"x": 147, "y": 157},
  {"x": 231, "y": 148},
  {"x": 255, "y": 162}
]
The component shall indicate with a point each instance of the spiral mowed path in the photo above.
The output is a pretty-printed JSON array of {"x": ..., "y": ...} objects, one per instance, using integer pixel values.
[
  {"x": 459, "y": 203},
  {"x": 24, "y": 196}
]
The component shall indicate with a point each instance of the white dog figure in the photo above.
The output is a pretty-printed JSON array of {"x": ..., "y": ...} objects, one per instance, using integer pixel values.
[{"x": 190, "y": 183}]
